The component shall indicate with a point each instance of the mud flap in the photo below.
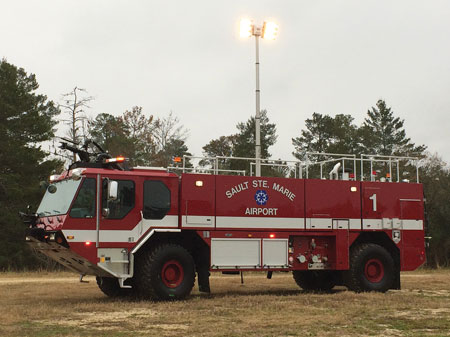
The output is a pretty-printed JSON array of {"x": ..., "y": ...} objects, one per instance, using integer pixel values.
[
  {"x": 396, "y": 284},
  {"x": 202, "y": 264},
  {"x": 203, "y": 280}
]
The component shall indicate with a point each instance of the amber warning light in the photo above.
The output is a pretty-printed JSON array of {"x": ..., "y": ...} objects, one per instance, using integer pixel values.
[
  {"x": 177, "y": 159},
  {"x": 119, "y": 159}
]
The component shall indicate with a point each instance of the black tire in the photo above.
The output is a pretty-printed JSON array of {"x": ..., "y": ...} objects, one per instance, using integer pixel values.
[
  {"x": 110, "y": 287},
  {"x": 371, "y": 269},
  {"x": 165, "y": 273},
  {"x": 314, "y": 280}
]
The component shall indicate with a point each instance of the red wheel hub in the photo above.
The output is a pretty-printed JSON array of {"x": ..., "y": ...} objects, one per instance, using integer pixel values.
[
  {"x": 374, "y": 270},
  {"x": 172, "y": 273}
]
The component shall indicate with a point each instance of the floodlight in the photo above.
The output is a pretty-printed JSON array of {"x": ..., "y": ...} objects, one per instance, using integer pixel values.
[
  {"x": 270, "y": 30},
  {"x": 246, "y": 28}
]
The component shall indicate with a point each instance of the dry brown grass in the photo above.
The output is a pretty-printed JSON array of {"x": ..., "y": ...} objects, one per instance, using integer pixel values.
[{"x": 55, "y": 304}]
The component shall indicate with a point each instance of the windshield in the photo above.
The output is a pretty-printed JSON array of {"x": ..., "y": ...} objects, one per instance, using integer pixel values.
[{"x": 59, "y": 201}]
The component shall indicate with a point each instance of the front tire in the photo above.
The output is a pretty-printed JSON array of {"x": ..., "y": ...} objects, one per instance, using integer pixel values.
[
  {"x": 165, "y": 273},
  {"x": 110, "y": 287},
  {"x": 371, "y": 269},
  {"x": 311, "y": 280}
]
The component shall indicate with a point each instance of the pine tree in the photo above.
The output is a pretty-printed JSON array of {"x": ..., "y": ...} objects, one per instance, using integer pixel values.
[
  {"x": 315, "y": 138},
  {"x": 26, "y": 120},
  {"x": 327, "y": 134},
  {"x": 111, "y": 134},
  {"x": 435, "y": 177},
  {"x": 246, "y": 137},
  {"x": 139, "y": 130},
  {"x": 384, "y": 134}
]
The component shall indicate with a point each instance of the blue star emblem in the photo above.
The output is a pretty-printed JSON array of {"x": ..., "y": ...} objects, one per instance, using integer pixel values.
[{"x": 261, "y": 197}]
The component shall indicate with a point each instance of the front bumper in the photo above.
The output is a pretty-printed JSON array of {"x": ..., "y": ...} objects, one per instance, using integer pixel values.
[{"x": 65, "y": 256}]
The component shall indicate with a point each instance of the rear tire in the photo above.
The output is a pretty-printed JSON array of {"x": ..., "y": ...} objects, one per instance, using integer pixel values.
[
  {"x": 165, "y": 273},
  {"x": 371, "y": 269},
  {"x": 314, "y": 280}
]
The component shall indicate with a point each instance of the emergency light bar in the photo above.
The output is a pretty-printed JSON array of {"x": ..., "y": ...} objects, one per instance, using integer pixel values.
[{"x": 119, "y": 159}]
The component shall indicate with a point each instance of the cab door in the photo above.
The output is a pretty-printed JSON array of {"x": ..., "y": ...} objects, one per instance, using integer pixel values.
[
  {"x": 119, "y": 215},
  {"x": 139, "y": 204}
]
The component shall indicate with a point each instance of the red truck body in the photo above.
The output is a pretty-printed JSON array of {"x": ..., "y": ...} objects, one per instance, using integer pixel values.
[{"x": 355, "y": 233}]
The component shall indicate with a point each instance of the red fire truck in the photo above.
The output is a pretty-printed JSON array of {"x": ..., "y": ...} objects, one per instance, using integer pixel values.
[{"x": 148, "y": 232}]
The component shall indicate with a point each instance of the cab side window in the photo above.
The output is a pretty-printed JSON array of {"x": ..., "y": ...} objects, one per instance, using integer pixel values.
[
  {"x": 84, "y": 205},
  {"x": 124, "y": 203},
  {"x": 156, "y": 200}
]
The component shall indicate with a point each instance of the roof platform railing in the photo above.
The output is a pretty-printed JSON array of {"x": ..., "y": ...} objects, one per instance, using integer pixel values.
[{"x": 344, "y": 163}]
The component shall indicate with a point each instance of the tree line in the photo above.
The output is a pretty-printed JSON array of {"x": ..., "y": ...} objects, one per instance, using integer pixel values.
[{"x": 27, "y": 119}]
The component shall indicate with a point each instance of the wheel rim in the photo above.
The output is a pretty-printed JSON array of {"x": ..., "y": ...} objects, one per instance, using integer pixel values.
[
  {"x": 172, "y": 274},
  {"x": 374, "y": 270}
]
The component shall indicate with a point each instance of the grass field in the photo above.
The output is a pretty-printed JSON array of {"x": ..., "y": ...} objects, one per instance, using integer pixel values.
[{"x": 55, "y": 304}]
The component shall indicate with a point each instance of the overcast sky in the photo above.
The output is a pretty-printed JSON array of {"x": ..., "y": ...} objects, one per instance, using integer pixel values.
[{"x": 186, "y": 56}]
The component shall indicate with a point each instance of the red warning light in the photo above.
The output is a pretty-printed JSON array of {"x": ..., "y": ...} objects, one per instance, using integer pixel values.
[
  {"x": 87, "y": 243},
  {"x": 271, "y": 236}
]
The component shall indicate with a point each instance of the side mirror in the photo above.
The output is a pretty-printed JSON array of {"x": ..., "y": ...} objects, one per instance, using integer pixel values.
[
  {"x": 43, "y": 185},
  {"x": 113, "y": 187},
  {"x": 105, "y": 212}
]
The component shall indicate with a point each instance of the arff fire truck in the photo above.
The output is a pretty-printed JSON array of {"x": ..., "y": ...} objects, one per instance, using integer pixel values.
[{"x": 150, "y": 232}]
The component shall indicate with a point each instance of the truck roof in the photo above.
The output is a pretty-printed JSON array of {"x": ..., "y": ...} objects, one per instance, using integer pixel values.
[{"x": 149, "y": 172}]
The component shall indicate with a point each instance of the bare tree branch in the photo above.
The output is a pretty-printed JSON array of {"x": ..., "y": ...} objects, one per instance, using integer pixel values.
[{"x": 74, "y": 104}]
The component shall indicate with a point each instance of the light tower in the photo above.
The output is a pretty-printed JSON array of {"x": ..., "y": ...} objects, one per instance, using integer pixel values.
[{"x": 268, "y": 31}]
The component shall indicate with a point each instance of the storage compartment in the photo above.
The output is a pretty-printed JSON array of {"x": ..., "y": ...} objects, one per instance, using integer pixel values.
[
  {"x": 235, "y": 253},
  {"x": 275, "y": 253}
]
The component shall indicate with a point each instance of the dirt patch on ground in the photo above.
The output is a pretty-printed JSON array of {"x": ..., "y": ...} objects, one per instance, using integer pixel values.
[
  {"x": 427, "y": 292},
  {"x": 112, "y": 320}
]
